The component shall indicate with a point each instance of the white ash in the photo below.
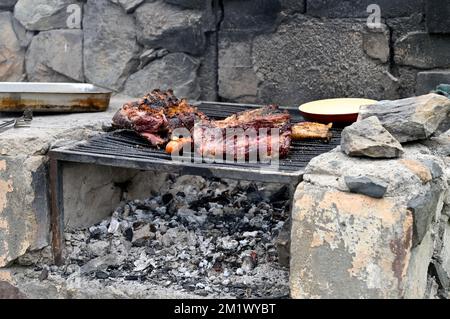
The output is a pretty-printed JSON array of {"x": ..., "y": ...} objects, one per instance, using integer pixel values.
[{"x": 209, "y": 238}]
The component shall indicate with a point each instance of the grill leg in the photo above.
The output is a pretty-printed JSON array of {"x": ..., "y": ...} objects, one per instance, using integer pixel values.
[{"x": 57, "y": 210}]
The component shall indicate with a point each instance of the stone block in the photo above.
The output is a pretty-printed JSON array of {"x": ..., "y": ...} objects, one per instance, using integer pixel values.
[
  {"x": 164, "y": 26},
  {"x": 110, "y": 53},
  {"x": 358, "y": 8},
  {"x": 56, "y": 56},
  {"x": 237, "y": 79},
  {"x": 92, "y": 193},
  {"x": 376, "y": 43},
  {"x": 177, "y": 71},
  {"x": 250, "y": 16},
  {"x": 12, "y": 55},
  {"x": 438, "y": 13},
  {"x": 41, "y": 15},
  {"x": 417, "y": 276},
  {"x": 348, "y": 245},
  {"x": 428, "y": 81},
  {"x": 329, "y": 63},
  {"x": 7, "y": 4},
  {"x": 423, "y": 50}
]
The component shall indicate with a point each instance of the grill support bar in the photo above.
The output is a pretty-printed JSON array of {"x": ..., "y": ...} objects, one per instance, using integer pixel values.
[{"x": 291, "y": 176}]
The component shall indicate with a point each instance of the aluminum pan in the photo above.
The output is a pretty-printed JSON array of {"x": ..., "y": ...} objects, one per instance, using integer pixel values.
[{"x": 53, "y": 97}]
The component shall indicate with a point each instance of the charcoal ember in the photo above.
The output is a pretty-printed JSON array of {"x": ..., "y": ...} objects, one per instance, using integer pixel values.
[{"x": 209, "y": 233}]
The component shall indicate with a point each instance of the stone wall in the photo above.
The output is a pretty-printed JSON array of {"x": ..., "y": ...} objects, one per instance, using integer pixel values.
[
  {"x": 370, "y": 219},
  {"x": 281, "y": 51}
]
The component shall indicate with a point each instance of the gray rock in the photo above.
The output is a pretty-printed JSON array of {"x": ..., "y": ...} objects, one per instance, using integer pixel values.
[
  {"x": 12, "y": 55},
  {"x": 8, "y": 291},
  {"x": 151, "y": 55},
  {"x": 56, "y": 56},
  {"x": 410, "y": 119},
  {"x": 427, "y": 81},
  {"x": 164, "y": 26},
  {"x": 190, "y": 4},
  {"x": 176, "y": 70},
  {"x": 423, "y": 50},
  {"x": 23, "y": 34},
  {"x": 437, "y": 13},
  {"x": 423, "y": 208},
  {"x": 331, "y": 59},
  {"x": 41, "y": 15},
  {"x": 283, "y": 243},
  {"x": 250, "y": 16},
  {"x": 366, "y": 185},
  {"x": 376, "y": 43},
  {"x": 101, "y": 263},
  {"x": 110, "y": 53},
  {"x": 358, "y": 8},
  {"x": 369, "y": 138},
  {"x": 237, "y": 79},
  {"x": 7, "y": 4},
  {"x": 293, "y": 6},
  {"x": 128, "y": 5}
]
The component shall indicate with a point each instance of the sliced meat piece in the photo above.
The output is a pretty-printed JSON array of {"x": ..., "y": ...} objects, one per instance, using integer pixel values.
[
  {"x": 247, "y": 134},
  {"x": 310, "y": 130}
]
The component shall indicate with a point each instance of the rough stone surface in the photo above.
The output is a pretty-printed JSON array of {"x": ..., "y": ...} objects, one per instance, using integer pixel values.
[
  {"x": 358, "y": 8},
  {"x": 110, "y": 53},
  {"x": 237, "y": 78},
  {"x": 364, "y": 185},
  {"x": 376, "y": 43},
  {"x": 101, "y": 188},
  {"x": 56, "y": 56},
  {"x": 8, "y": 291},
  {"x": 290, "y": 74},
  {"x": 40, "y": 15},
  {"x": 177, "y": 71},
  {"x": 128, "y": 5},
  {"x": 24, "y": 209},
  {"x": 250, "y": 16},
  {"x": 361, "y": 249},
  {"x": 428, "y": 81},
  {"x": 162, "y": 25},
  {"x": 410, "y": 119},
  {"x": 437, "y": 13},
  {"x": 423, "y": 50},
  {"x": 190, "y": 4},
  {"x": 369, "y": 138},
  {"x": 12, "y": 54},
  {"x": 417, "y": 277},
  {"x": 7, "y": 4},
  {"x": 343, "y": 249}
]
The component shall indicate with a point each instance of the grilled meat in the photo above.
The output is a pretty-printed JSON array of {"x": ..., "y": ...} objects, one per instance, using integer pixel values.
[
  {"x": 252, "y": 134},
  {"x": 309, "y": 130},
  {"x": 157, "y": 115}
]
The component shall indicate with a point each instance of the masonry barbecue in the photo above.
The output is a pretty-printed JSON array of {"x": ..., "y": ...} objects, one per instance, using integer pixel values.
[{"x": 127, "y": 149}]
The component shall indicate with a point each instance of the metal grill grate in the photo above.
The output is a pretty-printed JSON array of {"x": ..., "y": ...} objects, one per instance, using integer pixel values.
[{"x": 127, "y": 149}]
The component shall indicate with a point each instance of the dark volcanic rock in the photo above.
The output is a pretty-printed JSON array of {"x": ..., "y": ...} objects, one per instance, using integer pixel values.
[
  {"x": 365, "y": 185},
  {"x": 164, "y": 26},
  {"x": 110, "y": 52},
  {"x": 177, "y": 71},
  {"x": 369, "y": 138},
  {"x": 56, "y": 56},
  {"x": 423, "y": 50},
  {"x": 411, "y": 119}
]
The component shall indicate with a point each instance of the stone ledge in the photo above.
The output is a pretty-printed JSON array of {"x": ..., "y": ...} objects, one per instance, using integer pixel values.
[
  {"x": 24, "y": 198},
  {"x": 347, "y": 245}
]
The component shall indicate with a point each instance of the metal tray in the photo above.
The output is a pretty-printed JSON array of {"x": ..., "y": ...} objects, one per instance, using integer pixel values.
[{"x": 53, "y": 97}]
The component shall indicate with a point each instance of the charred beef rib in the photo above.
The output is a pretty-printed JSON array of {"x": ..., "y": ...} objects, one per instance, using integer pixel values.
[
  {"x": 156, "y": 115},
  {"x": 212, "y": 138}
]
